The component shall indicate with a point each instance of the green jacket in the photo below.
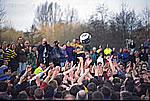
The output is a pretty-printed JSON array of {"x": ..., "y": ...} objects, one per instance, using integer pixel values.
[{"x": 31, "y": 59}]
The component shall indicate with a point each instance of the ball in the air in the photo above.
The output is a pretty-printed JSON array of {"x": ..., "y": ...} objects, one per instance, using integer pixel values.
[{"x": 85, "y": 38}]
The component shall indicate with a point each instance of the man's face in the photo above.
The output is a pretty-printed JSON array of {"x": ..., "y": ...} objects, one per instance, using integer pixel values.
[
  {"x": 4, "y": 45},
  {"x": 68, "y": 43},
  {"x": 51, "y": 64},
  {"x": 144, "y": 66},
  {"x": 20, "y": 40},
  {"x": 26, "y": 43},
  {"x": 44, "y": 41}
]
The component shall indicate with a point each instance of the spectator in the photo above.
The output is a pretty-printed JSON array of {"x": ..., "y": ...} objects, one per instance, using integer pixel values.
[
  {"x": 39, "y": 94},
  {"x": 5, "y": 66},
  {"x": 43, "y": 52},
  {"x": 21, "y": 55},
  {"x": 3, "y": 90},
  {"x": 6, "y": 75},
  {"x": 32, "y": 58},
  {"x": 146, "y": 44},
  {"x": 82, "y": 95},
  {"x": 56, "y": 53},
  {"x": 106, "y": 92},
  {"x": 70, "y": 51},
  {"x": 64, "y": 56},
  {"x": 13, "y": 63},
  {"x": 143, "y": 56},
  {"x": 132, "y": 45},
  {"x": 97, "y": 96},
  {"x": 93, "y": 55},
  {"x": 22, "y": 96},
  {"x": 120, "y": 54},
  {"x": 113, "y": 51},
  {"x": 69, "y": 97},
  {"x": 40, "y": 69},
  {"x": 125, "y": 56}
]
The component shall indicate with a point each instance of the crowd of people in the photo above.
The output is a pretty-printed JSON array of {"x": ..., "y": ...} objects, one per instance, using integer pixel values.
[{"x": 72, "y": 72}]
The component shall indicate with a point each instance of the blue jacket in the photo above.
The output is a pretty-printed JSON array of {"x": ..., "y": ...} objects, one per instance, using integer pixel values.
[
  {"x": 63, "y": 57},
  {"x": 70, "y": 53},
  {"x": 119, "y": 56},
  {"x": 125, "y": 56}
]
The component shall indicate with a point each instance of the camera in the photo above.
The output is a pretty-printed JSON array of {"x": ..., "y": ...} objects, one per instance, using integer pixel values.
[{"x": 45, "y": 43}]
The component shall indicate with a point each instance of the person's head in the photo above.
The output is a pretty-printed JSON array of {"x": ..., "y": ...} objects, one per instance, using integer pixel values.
[
  {"x": 48, "y": 92},
  {"x": 74, "y": 90},
  {"x": 56, "y": 43},
  {"x": 143, "y": 50},
  {"x": 44, "y": 42},
  {"x": 64, "y": 47},
  {"x": 78, "y": 49},
  {"x": 13, "y": 46},
  {"x": 53, "y": 84},
  {"x": 125, "y": 49},
  {"x": 51, "y": 64},
  {"x": 22, "y": 96},
  {"x": 92, "y": 87},
  {"x": 120, "y": 50},
  {"x": 94, "y": 49},
  {"x": 34, "y": 48},
  {"x": 38, "y": 93},
  {"x": 144, "y": 65},
  {"x": 96, "y": 95},
  {"x": 125, "y": 95},
  {"x": 69, "y": 97},
  {"x": 121, "y": 65},
  {"x": 3, "y": 86},
  {"x": 74, "y": 41},
  {"x": 91, "y": 51},
  {"x": 5, "y": 62},
  {"x": 106, "y": 91},
  {"x": 148, "y": 40},
  {"x": 131, "y": 41},
  {"x": 82, "y": 95},
  {"x": 114, "y": 48},
  {"x": 137, "y": 59},
  {"x": 131, "y": 53},
  {"x": 26, "y": 43},
  {"x": 4, "y": 45},
  {"x": 20, "y": 40},
  {"x": 42, "y": 65},
  {"x": 68, "y": 43},
  {"x": 7, "y": 71}
]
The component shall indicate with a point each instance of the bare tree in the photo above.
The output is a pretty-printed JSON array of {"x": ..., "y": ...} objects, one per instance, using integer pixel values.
[{"x": 2, "y": 14}]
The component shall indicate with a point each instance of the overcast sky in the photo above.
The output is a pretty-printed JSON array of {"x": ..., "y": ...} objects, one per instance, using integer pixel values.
[{"x": 21, "y": 12}]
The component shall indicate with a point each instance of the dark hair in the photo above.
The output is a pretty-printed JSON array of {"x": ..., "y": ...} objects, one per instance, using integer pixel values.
[
  {"x": 53, "y": 84},
  {"x": 74, "y": 90},
  {"x": 94, "y": 80},
  {"x": 5, "y": 70},
  {"x": 97, "y": 96},
  {"x": 48, "y": 92},
  {"x": 38, "y": 93},
  {"x": 22, "y": 96},
  {"x": 92, "y": 87},
  {"x": 3, "y": 86},
  {"x": 59, "y": 79},
  {"x": 117, "y": 87},
  {"x": 106, "y": 91}
]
